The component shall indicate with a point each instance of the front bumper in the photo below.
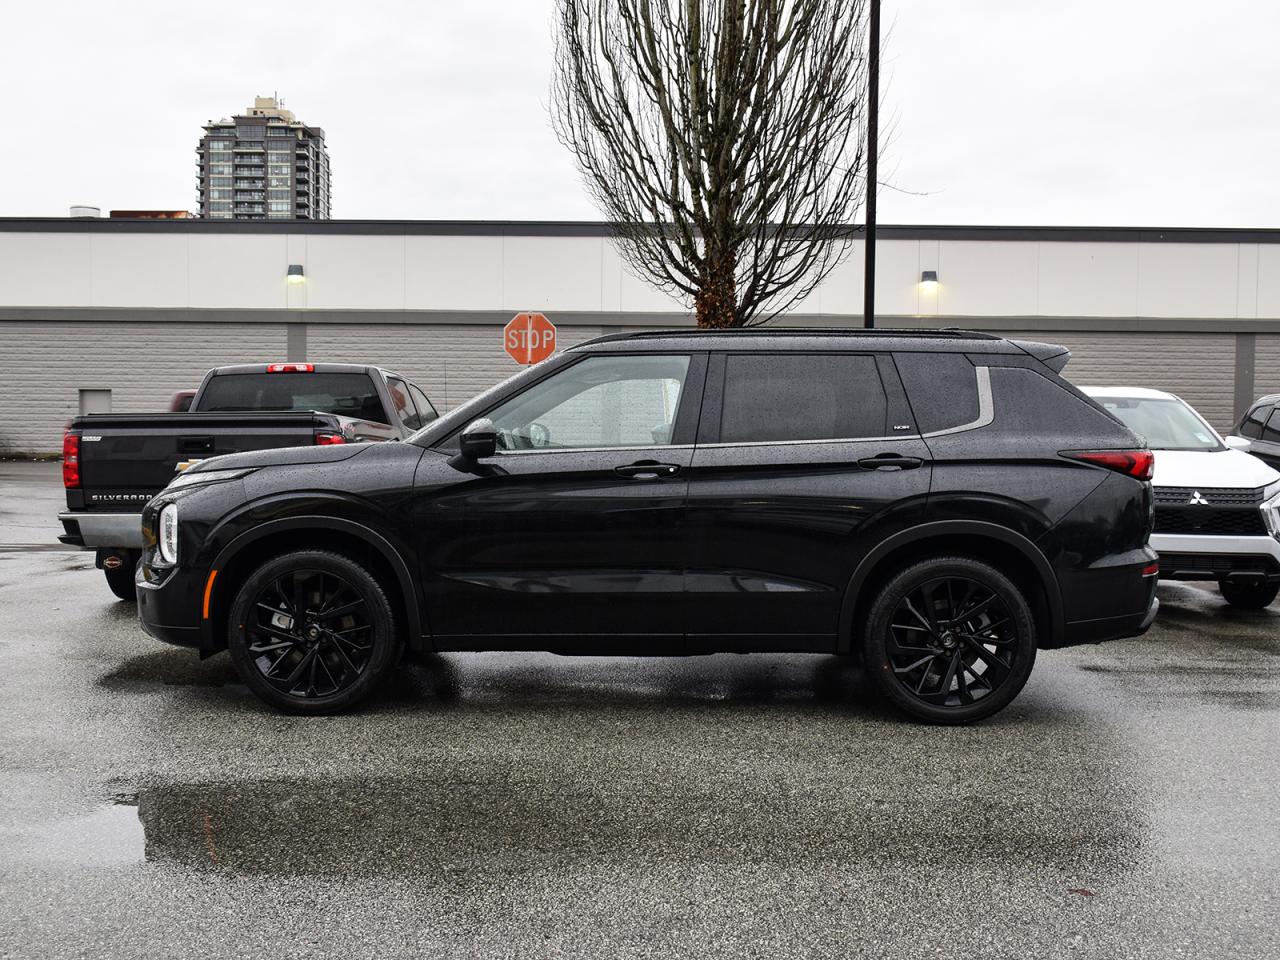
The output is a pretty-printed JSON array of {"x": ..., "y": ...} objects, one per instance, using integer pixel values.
[
  {"x": 118, "y": 530},
  {"x": 1197, "y": 557},
  {"x": 170, "y": 609}
]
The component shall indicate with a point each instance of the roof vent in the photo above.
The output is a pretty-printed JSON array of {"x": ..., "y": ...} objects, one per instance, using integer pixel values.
[{"x": 83, "y": 210}]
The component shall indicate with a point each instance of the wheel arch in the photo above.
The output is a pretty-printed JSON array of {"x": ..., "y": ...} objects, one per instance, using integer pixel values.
[
  {"x": 234, "y": 563},
  {"x": 1007, "y": 550}
]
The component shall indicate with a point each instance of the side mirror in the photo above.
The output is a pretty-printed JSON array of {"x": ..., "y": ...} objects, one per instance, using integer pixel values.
[
  {"x": 479, "y": 440},
  {"x": 1243, "y": 444}
]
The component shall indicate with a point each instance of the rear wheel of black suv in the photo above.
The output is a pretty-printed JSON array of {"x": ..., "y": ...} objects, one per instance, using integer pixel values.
[
  {"x": 950, "y": 640},
  {"x": 1250, "y": 594},
  {"x": 312, "y": 632}
]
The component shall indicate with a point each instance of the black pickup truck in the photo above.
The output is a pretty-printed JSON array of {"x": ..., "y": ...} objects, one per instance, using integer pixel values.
[{"x": 114, "y": 463}]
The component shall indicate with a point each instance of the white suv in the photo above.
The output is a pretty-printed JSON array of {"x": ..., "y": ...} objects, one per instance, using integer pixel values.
[{"x": 1215, "y": 506}]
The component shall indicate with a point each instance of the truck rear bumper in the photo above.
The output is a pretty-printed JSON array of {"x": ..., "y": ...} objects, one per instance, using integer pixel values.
[{"x": 85, "y": 529}]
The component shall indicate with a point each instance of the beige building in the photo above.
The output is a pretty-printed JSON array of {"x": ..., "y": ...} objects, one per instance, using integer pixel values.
[{"x": 101, "y": 313}]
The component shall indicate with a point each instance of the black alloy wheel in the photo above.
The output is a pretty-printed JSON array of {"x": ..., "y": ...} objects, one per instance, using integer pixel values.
[
  {"x": 311, "y": 632},
  {"x": 950, "y": 640},
  {"x": 1252, "y": 594}
]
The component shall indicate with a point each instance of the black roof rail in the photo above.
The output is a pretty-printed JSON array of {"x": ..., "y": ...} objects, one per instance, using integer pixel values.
[{"x": 941, "y": 333}]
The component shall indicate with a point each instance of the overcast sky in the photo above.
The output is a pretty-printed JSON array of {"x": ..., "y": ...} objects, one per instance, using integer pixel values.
[{"x": 1130, "y": 112}]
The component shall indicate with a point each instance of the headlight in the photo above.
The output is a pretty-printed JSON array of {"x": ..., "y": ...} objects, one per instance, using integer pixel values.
[
  {"x": 1271, "y": 513},
  {"x": 167, "y": 541},
  {"x": 206, "y": 476}
]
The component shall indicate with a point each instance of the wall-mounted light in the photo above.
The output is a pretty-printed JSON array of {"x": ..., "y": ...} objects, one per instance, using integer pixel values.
[
  {"x": 929, "y": 281},
  {"x": 295, "y": 274}
]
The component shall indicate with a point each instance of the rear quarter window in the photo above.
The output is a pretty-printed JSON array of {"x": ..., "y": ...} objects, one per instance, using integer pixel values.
[{"x": 942, "y": 389}]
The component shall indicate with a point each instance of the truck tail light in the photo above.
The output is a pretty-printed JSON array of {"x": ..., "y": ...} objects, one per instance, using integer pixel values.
[
  {"x": 1139, "y": 464},
  {"x": 327, "y": 439},
  {"x": 71, "y": 459},
  {"x": 291, "y": 368}
]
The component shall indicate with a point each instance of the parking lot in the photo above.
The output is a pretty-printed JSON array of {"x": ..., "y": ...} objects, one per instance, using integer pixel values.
[{"x": 528, "y": 805}]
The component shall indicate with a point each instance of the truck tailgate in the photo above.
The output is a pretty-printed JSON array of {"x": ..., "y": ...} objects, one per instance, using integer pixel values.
[{"x": 125, "y": 460}]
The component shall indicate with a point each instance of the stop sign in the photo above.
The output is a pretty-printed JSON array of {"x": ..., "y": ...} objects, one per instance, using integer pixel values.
[{"x": 529, "y": 338}]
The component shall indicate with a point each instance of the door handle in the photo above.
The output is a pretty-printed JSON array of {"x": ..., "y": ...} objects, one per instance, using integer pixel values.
[
  {"x": 890, "y": 461},
  {"x": 648, "y": 470}
]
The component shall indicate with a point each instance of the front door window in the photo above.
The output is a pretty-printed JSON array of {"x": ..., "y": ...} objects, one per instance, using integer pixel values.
[{"x": 599, "y": 403}]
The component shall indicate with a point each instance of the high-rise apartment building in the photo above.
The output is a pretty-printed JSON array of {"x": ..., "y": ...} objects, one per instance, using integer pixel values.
[{"x": 265, "y": 164}]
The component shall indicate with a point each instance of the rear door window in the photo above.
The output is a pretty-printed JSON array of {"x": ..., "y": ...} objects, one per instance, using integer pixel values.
[
  {"x": 776, "y": 397},
  {"x": 346, "y": 394}
]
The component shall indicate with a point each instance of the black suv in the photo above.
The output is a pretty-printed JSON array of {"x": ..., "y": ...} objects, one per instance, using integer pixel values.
[{"x": 942, "y": 504}]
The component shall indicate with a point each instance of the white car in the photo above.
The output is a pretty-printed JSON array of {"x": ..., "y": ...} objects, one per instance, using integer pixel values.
[{"x": 1215, "y": 506}]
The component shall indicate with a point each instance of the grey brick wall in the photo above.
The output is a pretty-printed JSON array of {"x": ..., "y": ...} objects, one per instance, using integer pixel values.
[
  {"x": 1266, "y": 376},
  {"x": 1199, "y": 367},
  {"x": 43, "y": 366},
  {"x": 451, "y": 362}
]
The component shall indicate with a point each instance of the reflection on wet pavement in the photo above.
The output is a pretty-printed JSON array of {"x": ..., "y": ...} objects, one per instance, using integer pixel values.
[{"x": 527, "y": 804}]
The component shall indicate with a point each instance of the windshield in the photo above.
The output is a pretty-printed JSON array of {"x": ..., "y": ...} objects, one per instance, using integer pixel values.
[
  {"x": 1167, "y": 424},
  {"x": 346, "y": 394}
]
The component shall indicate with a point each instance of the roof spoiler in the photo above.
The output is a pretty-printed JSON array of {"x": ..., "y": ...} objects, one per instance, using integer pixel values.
[{"x": 1052, "y": 355}]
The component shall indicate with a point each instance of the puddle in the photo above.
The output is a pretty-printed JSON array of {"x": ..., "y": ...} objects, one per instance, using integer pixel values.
[
  {"x": 441, "y": 826},
  {"x": 110, "y": 835}
]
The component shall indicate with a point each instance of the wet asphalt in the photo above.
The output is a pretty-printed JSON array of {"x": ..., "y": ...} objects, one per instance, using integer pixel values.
[{"x": 535, "y": 806}]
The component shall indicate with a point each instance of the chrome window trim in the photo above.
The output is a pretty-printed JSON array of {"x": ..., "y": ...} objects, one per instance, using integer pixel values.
[
  {"x": 656, "y": 446},
  {"x": 986, "y": 407},
  {"x": 986, "y": 414}
]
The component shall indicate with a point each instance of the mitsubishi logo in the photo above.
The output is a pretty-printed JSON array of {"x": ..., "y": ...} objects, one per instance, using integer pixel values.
[{"x": 1197, "y": 500}]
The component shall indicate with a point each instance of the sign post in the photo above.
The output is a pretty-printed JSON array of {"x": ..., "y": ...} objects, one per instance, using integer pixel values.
[{"x": 529, "y": 338}]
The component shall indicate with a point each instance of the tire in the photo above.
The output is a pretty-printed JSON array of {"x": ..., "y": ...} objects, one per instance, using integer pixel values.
[
  {"x": 120, "y": 580},
  {"x": 324, "y": 661},
  {"x": 1249, "y": 594},
  {"x": 949, "y": 640}
]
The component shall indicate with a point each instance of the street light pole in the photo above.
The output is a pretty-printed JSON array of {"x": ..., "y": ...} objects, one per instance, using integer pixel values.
[{"x": 873, "y": 150}]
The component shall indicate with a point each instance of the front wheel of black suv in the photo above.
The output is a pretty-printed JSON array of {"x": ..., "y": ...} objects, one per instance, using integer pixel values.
[
  {"x": 1250, "y": 594},
  {"x": 950, "y": 640},
  {"x": 312, "y": 632}
]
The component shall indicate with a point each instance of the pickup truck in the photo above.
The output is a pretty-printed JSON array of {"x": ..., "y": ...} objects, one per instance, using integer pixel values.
[{"x": 112, "y": 464}]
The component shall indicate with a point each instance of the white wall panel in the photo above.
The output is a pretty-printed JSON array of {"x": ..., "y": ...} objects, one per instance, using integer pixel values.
[
  {"x": 1187, "y": 279},
  {"x": 453, "y": 273},
  {"x": 347, "y": 272},
  {"x": 1267, "y": 291},
  {"x": 139, "y": 269},
  {"x": 564, "y": 275},
  {"x": 987, "y": 278},
  {"x": 238, "y": 270},
  {"x": 1088, "y": 280},
  {"x": 46, "y": 269}
]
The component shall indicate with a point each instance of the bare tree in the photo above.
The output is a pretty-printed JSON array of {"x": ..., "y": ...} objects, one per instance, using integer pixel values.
[{"x": 722, "y": 137}]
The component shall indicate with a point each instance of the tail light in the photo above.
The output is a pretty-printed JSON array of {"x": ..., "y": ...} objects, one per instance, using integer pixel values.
[
  {"x": 71, "y": 459},
  {"x": 326, "y": 439},
  {"x": 1139, "y": 464},
  {"x": 291, "y": 368},
  {"x": 1151, "y": 569}
]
